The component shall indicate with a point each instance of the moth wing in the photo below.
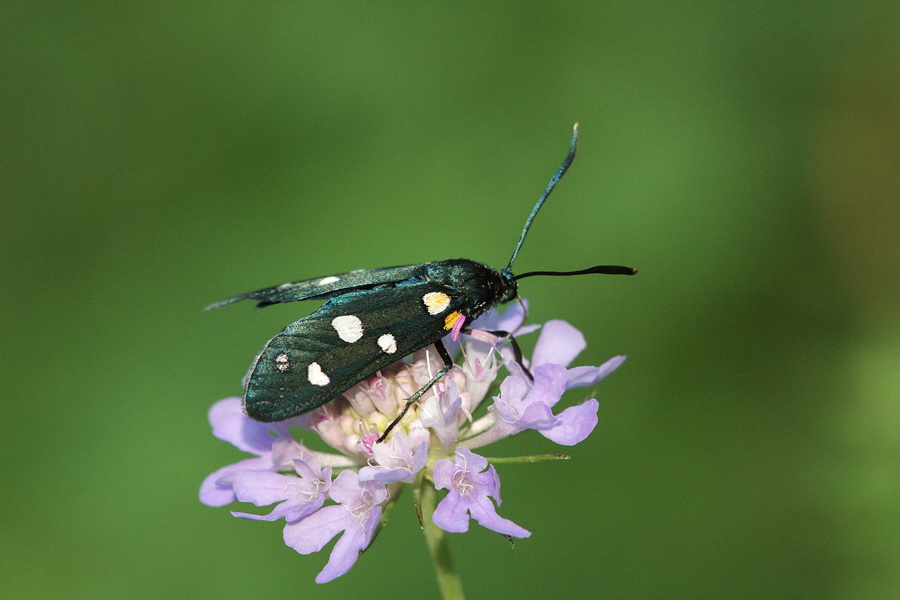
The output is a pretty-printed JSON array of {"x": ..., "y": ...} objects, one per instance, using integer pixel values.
[
  {"x": 322, "y": 288},
  {"x": 318, "y": 357}
]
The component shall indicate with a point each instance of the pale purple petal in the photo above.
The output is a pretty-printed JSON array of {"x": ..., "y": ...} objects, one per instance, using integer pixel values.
[
  {"x": 443, "y": 474},
  {"x": 285, "y": 452},
  {"x": 286, "y": 510},
  {"x": 549, "y": 384},
  {"x": 345, "y": 488},
  {"x": 536, "y": 416},
  {"x": 485, "y": 336},
  {"x": 311, "y": 533},
  {"x": 509, "y": 320},
  {"x": 470, "y": 461},
  {"x": 346, "y": 550},
  {"x": 272, "y": 516},
  {"x": 588, "y": 376},
  {"x": 483, "y": 511},
  {"x": 452, "y": 513},
  {"x": 527, "y": 329},
  {"x": 263, "y": 487},
  {"x": 389, "y": 476},
  {"x": 559, "y": 343},
  {"x": 512, "y": 318},
  {"x": 230, "y": 424},
  {"x": 216, "y": 489},
  {"x": 513, "y": 390},
  {"x": 574, "y": 424}
]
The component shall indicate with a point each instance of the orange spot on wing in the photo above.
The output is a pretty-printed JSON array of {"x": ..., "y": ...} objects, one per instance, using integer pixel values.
[{"x": 451, "y": 320}]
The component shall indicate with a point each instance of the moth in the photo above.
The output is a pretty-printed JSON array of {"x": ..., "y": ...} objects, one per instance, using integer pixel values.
[{"x": 373, "y": 317}]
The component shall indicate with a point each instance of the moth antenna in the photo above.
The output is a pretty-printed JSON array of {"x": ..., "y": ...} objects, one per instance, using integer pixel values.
[
  {"x": 553, "y": 181},
  {"x": 599, "y": 269}
]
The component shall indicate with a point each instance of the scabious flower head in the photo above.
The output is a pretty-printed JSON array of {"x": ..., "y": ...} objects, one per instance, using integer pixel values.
[{"x": 432, "y": 445}]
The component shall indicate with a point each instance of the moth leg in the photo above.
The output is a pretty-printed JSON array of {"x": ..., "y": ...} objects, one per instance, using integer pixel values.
[
  {"x": 517, "y": 351},
  {"x": 448, "y": 364}
]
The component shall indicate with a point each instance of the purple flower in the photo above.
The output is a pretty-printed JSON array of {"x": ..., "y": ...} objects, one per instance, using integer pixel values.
[
  {"x": 356, "y": 515},
  {"x": 297, "y": 496},
  {"x": 525, "y": 404},
  {"x": 432, "y": 443},
  {"x": 470, "y": 489},
  {"x": 522, "y": 406}
]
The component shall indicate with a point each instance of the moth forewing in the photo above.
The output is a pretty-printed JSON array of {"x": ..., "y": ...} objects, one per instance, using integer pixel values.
[{"x": 318, "y": 357}]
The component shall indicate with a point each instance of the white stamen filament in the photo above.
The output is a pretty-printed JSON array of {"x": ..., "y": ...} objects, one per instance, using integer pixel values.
[{"x": 461, "y": 481}]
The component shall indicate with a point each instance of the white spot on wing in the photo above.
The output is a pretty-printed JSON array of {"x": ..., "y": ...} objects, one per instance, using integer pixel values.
[
  {"x": 283, "y": 362},
  {"x": 436, "y": 302},
  {"x": 349, "y": 328},
  {"x": 388, "y": 343},
  {"x": 327, "y": 280},
  {"x": 316, "y": 376}
]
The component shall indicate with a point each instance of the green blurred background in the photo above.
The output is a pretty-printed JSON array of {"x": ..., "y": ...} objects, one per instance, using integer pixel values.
[{"x": 157, "y": 157}]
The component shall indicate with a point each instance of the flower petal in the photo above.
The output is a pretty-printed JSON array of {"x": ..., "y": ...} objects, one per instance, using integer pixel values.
[
  {"x": 588, "y": 376},
  {"x": 230, "y": 424},
  {"x": 451, "y": 514},
  {"x": 311, "y": 533},
  {"x": 559, "y": 343},
  {"x": 263, "y": 487},
  {"x": 443, "y": 474},
  {"x": 216, "y": 489},
  {"x": 509, "y": 404},
  {"x": 574, "y": 424},
  {"x": 346, "y": 550},
  {"x": 549, "y": 384},
  {"x": 470, "y": 461},
  {"x": 483, "y": 511},
  {"x": 290, "y": 511},
  {"x": 537, "y": 416}
]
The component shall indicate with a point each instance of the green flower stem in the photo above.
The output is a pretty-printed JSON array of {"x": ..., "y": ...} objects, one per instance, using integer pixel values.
[
  {"x": 448, "y": 579},
  {"x": 528, "y": 459}
]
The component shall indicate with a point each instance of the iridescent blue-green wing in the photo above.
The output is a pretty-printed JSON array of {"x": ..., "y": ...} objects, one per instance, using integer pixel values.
[
  {"x": 322, "y": 288},
  {"x": 349, "y": 338}
]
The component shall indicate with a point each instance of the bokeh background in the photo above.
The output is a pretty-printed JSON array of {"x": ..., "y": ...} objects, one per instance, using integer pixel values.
[{"x": 156, "y": 157}]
